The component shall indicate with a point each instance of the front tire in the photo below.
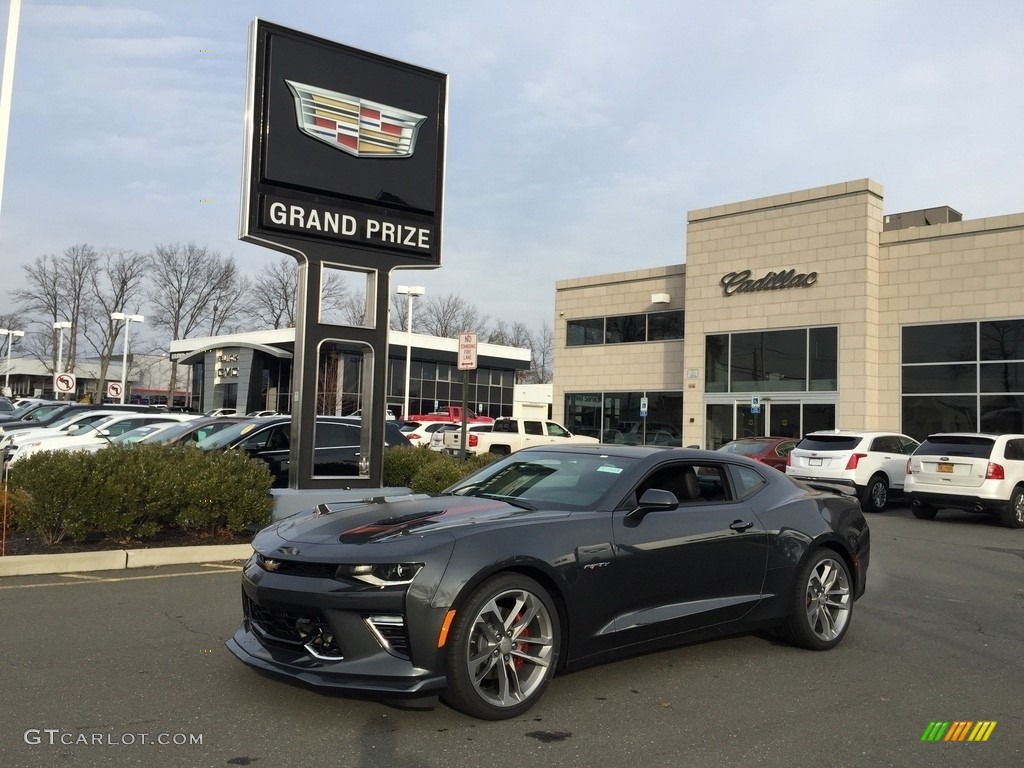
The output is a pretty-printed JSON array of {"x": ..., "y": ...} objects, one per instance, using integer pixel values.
[
  {"x": 821, "y": 604},
  {"x": 875, "y": 495},
  {"x": 1012, "y": 515},
  {"x": 503, "y": 648}
]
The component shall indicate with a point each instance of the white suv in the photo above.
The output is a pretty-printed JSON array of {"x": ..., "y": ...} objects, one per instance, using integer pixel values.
[
  {"x": 874, "y": 464},
  {"x": 968, "y": 470}
]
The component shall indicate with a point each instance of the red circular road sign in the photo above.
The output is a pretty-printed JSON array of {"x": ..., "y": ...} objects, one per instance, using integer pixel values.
[{"x": 64, "y": 383}]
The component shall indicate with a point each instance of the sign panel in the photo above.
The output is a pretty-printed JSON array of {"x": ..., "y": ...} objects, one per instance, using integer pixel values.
[
  {"x": 755, "y": 403},
  {"x": 113, "y": 389},
  {"x": 65, "y": 383},
  {"x": 467, "y": 351},
  {"x": 643, "y": 406},
  {"x": 343, "y": 147}
]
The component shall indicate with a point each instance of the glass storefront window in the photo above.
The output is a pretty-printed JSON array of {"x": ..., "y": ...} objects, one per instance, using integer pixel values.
[
  {"x": 664, "y": 326},
  {"x": 1002, "y": 377},
  {"x": 823, "y": 359},
  {"x": 614, "y": 417},
  {"x": 584, "y": 332},
  {"x": 923, "y": 415},
  {"x": 946, "y": 343},
  {"x": 625, "y": 328},
  {"x": 716, "y": 363},
  {"x": 1002, "y": 340},
  {"x": 924, "y": 379},
  {"x": 769, "y": 361}
]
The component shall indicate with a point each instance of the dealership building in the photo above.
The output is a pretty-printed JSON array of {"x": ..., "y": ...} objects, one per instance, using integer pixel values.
[{"x": 807, "y": 310}]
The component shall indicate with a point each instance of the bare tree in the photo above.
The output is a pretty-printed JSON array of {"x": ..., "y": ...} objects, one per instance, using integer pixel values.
[
  {"x": 448, "y": 316},
  {"x": 274, "y": 290},
  {"x": 116, "y": 285},
  {"x": 540, "y": 344},
  {"x": 187, "y": 280},
  {"x": 57, "y": 290},
  {"x": 542, "y": 355},
  {"x": 273, "y": 294}
]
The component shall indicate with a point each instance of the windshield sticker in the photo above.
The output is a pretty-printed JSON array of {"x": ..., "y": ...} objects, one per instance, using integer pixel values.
[
  {"x": 247, "y": 428},
  {"x": 613, "y": 470}
]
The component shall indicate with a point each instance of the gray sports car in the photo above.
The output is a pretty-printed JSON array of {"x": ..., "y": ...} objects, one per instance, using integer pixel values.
[{"x": 548, "y": 560}]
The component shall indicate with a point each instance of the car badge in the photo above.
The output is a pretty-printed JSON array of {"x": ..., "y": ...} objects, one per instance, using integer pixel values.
[
  {"x": 357, "y": 126},
  {"x": 271, "y": 565}
]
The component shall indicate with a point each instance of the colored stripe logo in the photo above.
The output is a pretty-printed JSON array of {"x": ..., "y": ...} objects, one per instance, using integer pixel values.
[{"x": 958, "y": 730}]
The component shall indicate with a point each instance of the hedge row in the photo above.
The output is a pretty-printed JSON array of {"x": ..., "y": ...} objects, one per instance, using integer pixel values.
[
  {"x": 133, "y": 492},
  {"x": 425, "y": 471}
]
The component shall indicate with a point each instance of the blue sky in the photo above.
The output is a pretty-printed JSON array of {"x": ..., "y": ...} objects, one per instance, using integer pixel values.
[{"x": 579, "y": 133}]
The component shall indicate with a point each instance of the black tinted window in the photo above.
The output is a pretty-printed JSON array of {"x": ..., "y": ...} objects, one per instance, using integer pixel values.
[
  {"x": 973, "y": 447},
  {"x": 829, "y": 442},
  {"x": 330, "y": 435}
]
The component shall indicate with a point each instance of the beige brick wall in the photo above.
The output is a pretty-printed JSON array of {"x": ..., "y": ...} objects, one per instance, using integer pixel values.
[
  {"x": 869, "y": 283},
  {"x": 649, "y": 366}
]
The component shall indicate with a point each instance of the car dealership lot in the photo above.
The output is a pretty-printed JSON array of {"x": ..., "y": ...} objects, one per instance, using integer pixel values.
[{"x": 139, "y": 657}]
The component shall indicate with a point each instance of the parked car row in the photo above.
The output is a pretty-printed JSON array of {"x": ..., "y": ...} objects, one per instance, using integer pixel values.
[{"x": 971, "y": 471}]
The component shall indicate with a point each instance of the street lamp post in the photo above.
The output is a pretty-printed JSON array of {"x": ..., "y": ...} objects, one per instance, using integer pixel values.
[
  {"x": 410, "y": 291},
  {"x": 128, "y": 320},
  {"x": 59, "y": 327},
  {"x": 11, "y": 336}
]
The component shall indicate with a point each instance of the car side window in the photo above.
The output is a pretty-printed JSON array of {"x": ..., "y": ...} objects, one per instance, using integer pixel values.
[
  {"x": 533, "y": 428},
  {"x": 884, "y": 444},
  {"x": 554, "y": 430},
  {"x": 748, "y": 482},
  {"x": 1014, "y": 450},
  {"x": 691, "y": 483},
  {"x": 276, "y": 438},
  {"x": 330, "y": 435},
  {"x": 782, "y": 449}
]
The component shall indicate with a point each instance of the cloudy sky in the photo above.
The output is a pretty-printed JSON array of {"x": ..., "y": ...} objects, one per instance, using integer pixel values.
[{"x": 579, "y": 133}]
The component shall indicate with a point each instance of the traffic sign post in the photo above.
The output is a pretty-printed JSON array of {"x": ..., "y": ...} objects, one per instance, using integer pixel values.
[
  {"x": 64, "y": 383},
  {"x": 643, "y": 420},
  {"x": 467, "y": 363}
]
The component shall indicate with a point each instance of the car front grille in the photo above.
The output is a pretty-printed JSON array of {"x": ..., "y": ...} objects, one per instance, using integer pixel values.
[
  {"x": 297, "y": 567},
  {"x": 291, "y": 628}
]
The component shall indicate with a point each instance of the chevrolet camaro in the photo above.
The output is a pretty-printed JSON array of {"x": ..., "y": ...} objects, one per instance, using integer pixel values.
[{"x": 545, "y": 561}]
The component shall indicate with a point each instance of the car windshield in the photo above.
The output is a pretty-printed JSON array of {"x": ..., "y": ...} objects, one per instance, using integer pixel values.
[
  {"x": 546, "y": 478},
  {"x": 135, "y": 435},
  {"x": 227, "y": 435}
]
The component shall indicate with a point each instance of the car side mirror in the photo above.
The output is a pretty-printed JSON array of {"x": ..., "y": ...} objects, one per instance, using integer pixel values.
[{"x": 654, "y": 500}]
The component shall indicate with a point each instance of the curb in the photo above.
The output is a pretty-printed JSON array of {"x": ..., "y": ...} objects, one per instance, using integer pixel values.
[{"x": 120, "y": 559}]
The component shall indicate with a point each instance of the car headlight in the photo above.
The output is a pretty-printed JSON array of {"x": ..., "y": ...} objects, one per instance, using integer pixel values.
[{"x": 381, "y": 574}]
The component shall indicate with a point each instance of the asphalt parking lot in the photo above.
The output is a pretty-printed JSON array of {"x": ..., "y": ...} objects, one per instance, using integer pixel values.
[{"x": 130, "y": 668}]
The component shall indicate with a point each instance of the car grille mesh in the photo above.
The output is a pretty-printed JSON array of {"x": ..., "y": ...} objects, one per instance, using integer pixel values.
[
  {"x": 292, "y": 628},
  {"x": 297, "y": 567}
]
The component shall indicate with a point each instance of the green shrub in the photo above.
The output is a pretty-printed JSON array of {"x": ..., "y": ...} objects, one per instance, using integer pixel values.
[
  {"x": 437, "y": 475},
  {"x": 402, "y": 464},
  {"x": 132, "y": 492}
]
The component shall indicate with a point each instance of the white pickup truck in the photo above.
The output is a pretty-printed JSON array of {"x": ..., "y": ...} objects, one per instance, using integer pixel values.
[{"x": 508, "y": 435}]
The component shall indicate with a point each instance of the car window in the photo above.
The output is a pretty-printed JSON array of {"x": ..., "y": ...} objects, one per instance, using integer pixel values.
[
  {"x": 331, "y": 435},
  {"x": 533, "y": 428},
  {"x": 691, "y": 482},
  {"x": 957, "y": 445},
  {"x": 829, "y": 442},
  {"x": 885, "y": 444},
  {"x": 555, "y": 430},
  {"x": 1014, "y": 450},
  {"x": 782, "y": 449}
]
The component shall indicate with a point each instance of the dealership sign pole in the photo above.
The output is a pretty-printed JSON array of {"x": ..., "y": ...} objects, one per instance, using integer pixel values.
[{"x": 344, "y": 169}]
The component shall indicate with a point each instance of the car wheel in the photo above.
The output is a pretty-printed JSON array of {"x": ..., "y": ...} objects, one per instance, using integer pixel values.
[
  {"x": 1012, "y": 516},
  {"x": 923, "y": 511},
  {"x": 503, "y": 648},
  {"x": 822, "y": 603},
  {"x": 875, "y": 495}
]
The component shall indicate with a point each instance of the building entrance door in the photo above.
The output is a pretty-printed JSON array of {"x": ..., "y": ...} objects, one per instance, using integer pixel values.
[{"x": 775, "y": 417}]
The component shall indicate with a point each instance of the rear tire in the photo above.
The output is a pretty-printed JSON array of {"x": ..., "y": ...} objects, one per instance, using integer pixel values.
[
  {"x": 821, "y": 604},
  {"x": 875, "y": 495},
  {"x": 503, "y": 648},
  {"x": 1012, "y": 515},
  {"x": 923, "y": 511}
]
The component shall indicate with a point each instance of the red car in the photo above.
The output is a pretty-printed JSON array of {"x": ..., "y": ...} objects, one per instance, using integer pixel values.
[{"x": 768, "y": 450}]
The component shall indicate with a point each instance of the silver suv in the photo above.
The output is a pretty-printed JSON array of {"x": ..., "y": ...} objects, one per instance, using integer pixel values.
[
  {"x": 968, "y": 470},
  {"x": 874, "y": 464}
]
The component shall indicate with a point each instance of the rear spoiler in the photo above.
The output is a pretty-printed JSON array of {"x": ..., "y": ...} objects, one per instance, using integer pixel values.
[{"x": 834, "y": 488}]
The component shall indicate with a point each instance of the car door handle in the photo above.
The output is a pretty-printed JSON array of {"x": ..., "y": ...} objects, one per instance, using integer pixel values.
[{"x": 741, "y": 525}]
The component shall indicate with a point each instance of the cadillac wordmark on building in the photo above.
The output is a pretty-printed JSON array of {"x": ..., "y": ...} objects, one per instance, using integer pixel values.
[{"x": 740, "y": 282}]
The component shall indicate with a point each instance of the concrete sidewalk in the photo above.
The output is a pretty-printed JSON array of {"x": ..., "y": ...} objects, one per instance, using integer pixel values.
[{"x": 119, "y": 559}]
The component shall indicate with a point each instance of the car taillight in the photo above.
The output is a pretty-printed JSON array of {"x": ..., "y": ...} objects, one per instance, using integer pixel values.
[
  {"x": 855, "y": 460},
  {"x": 413, "y": 436},
  {"x": 789, "y": 459},
  {"x": 995, "y": 472},
  {"x": 909, "y": 469},
  {"x": 474, "y": 441}
]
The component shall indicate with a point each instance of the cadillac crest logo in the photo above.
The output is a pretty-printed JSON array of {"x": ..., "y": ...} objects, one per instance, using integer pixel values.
[{"x": 359, "y": 127}]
